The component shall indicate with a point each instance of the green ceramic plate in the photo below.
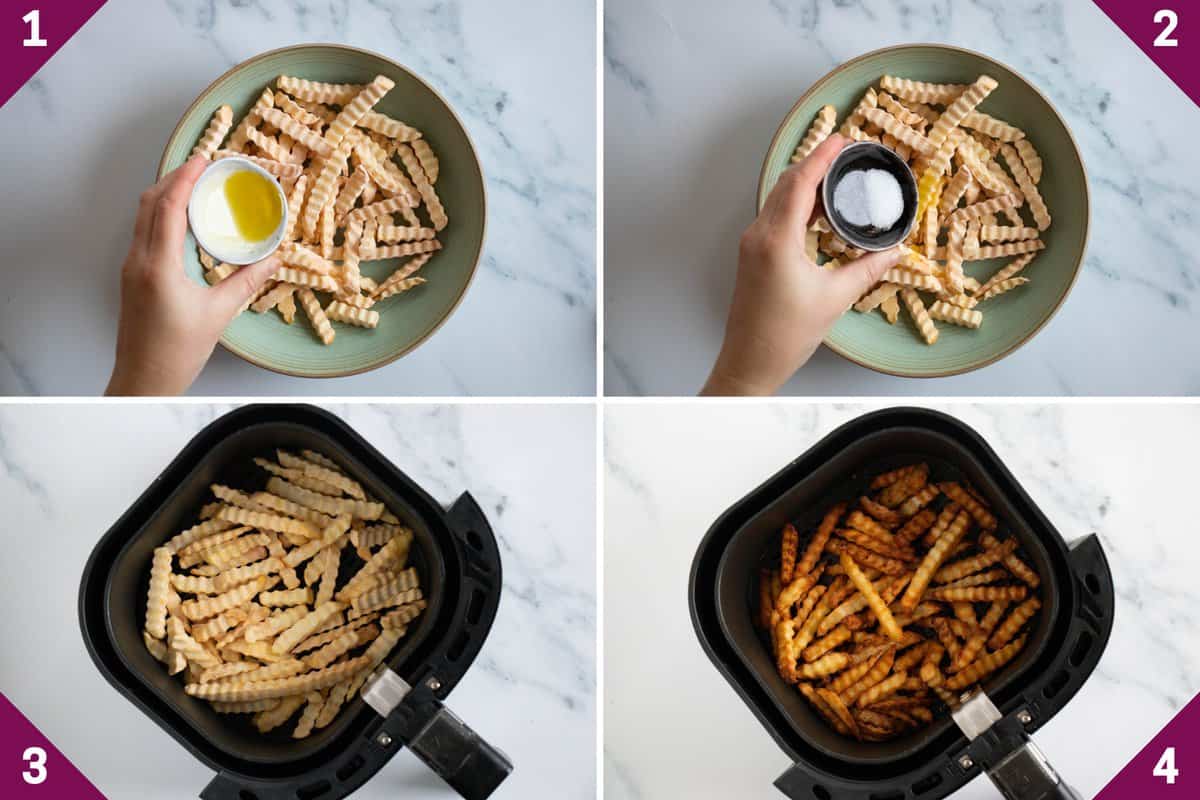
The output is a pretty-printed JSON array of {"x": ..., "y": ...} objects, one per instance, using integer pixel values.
[
  {"x": 406, "y": 320},
  {"x": 1011, "y": 319}
]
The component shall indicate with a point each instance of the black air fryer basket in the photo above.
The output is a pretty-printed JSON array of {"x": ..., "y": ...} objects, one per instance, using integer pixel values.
[
  {"x": 1064, "y": 644},
  {"x": 453, "y": 551}
]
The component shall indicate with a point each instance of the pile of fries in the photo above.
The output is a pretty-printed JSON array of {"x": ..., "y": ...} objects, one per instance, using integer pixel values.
[
  {"x": 347, "y": 172},
  {"x": 975, "y": 175},
  {"x": 896, "y": 606},
  {"x": 214, "y": 612}
]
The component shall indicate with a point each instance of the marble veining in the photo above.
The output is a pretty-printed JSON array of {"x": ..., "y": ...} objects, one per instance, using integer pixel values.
[
  {"x": 671, "y": 470},
  {"x": 520, "y": 75},
  {"x": 68, "y": 472},
  {"x": 694, "y": 92}
]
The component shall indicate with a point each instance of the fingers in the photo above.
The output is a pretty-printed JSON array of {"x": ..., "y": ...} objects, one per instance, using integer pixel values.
[
  {"x": 231, "y": 295},
  {"x": 170, "y": 210},
  {"x": 855, "y": 278},
  {"x": 791, "y": 202}
]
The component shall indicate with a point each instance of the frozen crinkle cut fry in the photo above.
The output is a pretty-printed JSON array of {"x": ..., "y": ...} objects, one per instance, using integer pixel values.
[
  {"x": 920, "y": 316},
  {"x": 818, "y": 132},
  {"x": 232, "y": 635},
  {"x": 316, "y": 91},
  {"x": 215, "y": 133},
  {"x": 956, "y": 315},
  {"x": 921, "y": 92}
]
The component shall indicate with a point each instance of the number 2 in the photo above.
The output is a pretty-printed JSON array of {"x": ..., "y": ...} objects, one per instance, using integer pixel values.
[
  {"x": 1165, "y": 768},
  {"x": 36, "y": 758},
  {"x": 34, "y": 18},
  {"x": 1165, "y": 39}
]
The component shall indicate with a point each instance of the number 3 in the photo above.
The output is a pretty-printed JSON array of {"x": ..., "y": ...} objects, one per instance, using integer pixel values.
[
  {"x": 1165, "y": 768},
  {"x": 36, "y": 758},
  {"x": 1172, "y": 19},
  {"x": 34, "y": 18}
]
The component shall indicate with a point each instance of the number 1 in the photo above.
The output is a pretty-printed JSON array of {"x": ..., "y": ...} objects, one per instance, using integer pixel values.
[
  {"x": 1165, "y": 768},
  {"x": 36, "y": 758},
  {"x": 1165, "y": 39},
  {"x": 34, "y": 18}
]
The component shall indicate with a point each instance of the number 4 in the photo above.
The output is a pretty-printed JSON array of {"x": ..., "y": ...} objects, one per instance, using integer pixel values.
[
  {"x": 1165, "y": 39},
  {"x": 1165, "y": 768},
  {"x": 34, "y": 18}
]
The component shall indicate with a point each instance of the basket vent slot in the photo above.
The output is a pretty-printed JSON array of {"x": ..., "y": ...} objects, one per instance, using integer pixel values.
[
  {"x": 928, "y": 783},
  {"x": 459, "y": 647},
  {"x": 350, "y": 767},
  {"x": 313, "y": 790},
  {"x": 475, "y": 608},
  {"x": 1082, "y": 646},
  {"x": 888, "y": 796},
  {"x": 1056, "y": 684},
  {"x": 475, "y": 540},
  {"x": 246, "y": 794},
  {"x": 821, "y": 793},
  {"x": 1092, "y": 583}
]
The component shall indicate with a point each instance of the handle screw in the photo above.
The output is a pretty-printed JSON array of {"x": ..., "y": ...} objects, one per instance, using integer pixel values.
[
  {"x": 965, "y": 762},
  {"x": 434, "y": 684},
  {"x": 1024, "y": 717},
  {"x": 383, "y": 740}
]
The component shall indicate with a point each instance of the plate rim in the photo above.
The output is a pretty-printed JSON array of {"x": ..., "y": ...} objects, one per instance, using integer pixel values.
[
  {"x": 819, "y": 85},
  {"x": 343, "y": 373}
]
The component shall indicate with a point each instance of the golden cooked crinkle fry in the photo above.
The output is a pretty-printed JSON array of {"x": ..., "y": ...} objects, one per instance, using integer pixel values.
[
  {"x": 280, "y": 669},
  {"x": 316, "y": 91},
  {"x": 903, "y": 133},
  {"x": 391, "y": 128},
  {"x": 921, "y": 92},
  {"x": 995, "y": 128},
  {"x": 1025, "y": 182},
  {"x": 211, "y": 606},
  {"x": 956, "y": 315},
  {"x": 219, "y": 625},
  {"x": 1014, "y": 622},
  {"x": 292, "y": 597},
  {"x": 339, "y": 311},
  {"x": 969, "y": 566},
  {"x": 839, "y": 636},
  {"x": 316, "y": 315},
  {"x": 239, "y": 575},
  {"x": 271, "y": 522},
  {"x": 984, "y": 666},
  {"x": 914, "y": 527},
  {"x": 916, "y": 309},
  {"x": 884, "y": 688},
  {"x": 156, "y": 597},
  {"x": 873, "y": 560},
  {"x": 299, "y": 131},
  {"x": 955, "y": 189},
  {"x": 238, "y": 139},
  {"x": 872, "y": 299},
  {"x": 976, "y": 594},
  {"x": 887, "y": 623},
  {"x": 226, "y": 670},
  {"x": 276, "y": 168},
  {"x": 933, "y": 560},
  {"x": 305, "y": 626},
  {"x": 214, "y": 134},
  {"x": 923, "y": 497},
  {"x": 788, "y": 548},
  {"x": 970, "y": 503},
  {"x": 1012, "y": 562},
  {"x": 828, "y": 665},
  {"x": 402, "y": 616},
  {"x": 193, "y": 584},
  {"x": 819, "y": 131}
]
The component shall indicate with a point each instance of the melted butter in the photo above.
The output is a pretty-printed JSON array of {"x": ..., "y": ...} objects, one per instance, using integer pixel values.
[{"x": 254, "y": 204}]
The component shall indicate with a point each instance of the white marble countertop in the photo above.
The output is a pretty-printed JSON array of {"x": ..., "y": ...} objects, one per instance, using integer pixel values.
[
  {"x": 84, "y": 137},
  {"x": 675, "y": 728},
  {"x": 68, "y": 472},
  {"x": 695, "y": 89}
]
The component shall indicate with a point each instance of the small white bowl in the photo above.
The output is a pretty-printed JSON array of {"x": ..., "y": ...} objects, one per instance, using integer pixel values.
[{"x": 215, "y": 171}]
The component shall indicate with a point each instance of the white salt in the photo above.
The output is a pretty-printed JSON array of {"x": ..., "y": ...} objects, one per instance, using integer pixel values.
[{"x": 869, "y": 198}]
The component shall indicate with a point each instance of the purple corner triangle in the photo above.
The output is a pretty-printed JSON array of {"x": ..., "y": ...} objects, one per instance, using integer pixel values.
[
  {"x": 27, "y": 773},
  {"x": 1164, "y": 22},
  {"x": 56, "y": 22},
  {"x": 1138, "y": 779}
]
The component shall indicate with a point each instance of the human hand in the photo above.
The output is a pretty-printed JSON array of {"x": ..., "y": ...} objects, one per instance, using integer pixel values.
[
  {"x": 170, "y": 324},
  {"x": 783, "y": 303}
]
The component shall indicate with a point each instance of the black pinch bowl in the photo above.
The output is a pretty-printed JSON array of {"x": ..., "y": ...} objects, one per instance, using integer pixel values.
[
  {"x": 869, "y": 155},
  {"x": 454, "y": 553},
  {"x": 1065, "y": 642}
]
